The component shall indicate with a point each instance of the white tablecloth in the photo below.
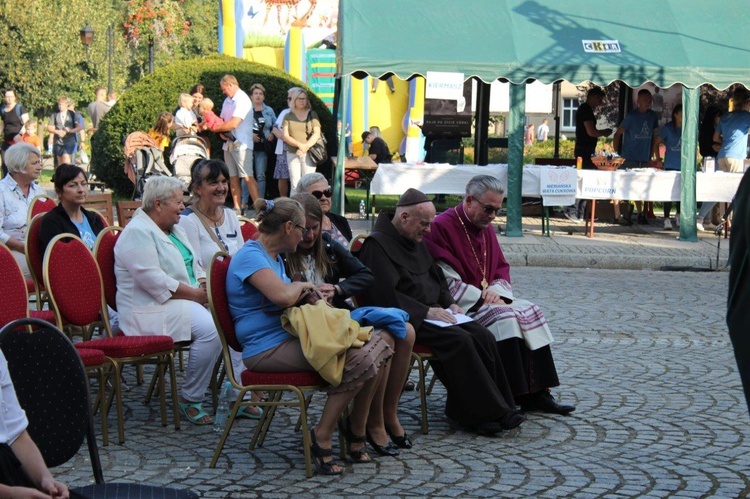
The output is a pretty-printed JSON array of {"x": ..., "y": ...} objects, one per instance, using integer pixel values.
[
  {"x": 654, "y": 185},
  {"x": 598, "y": 184},
  {"x": 445, "y": 178}
]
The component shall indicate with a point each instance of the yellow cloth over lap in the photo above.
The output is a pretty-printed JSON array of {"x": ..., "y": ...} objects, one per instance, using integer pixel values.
[{"x": 325, "y": 333}]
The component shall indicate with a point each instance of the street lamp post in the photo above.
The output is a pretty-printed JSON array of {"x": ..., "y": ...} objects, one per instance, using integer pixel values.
[{"x": 87, "y": 39}]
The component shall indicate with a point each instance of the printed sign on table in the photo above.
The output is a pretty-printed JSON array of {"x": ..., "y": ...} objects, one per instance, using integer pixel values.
[
  {"x": 558, "y": 186},
  {"x": 598, "y": 187}
]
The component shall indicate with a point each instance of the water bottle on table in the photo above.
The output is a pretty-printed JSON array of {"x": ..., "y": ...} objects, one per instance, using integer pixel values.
[{"x": 226, "y": 397}]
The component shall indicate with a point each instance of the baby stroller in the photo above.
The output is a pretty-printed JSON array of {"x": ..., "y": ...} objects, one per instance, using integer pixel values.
[
  {"x": 186, "y": 149},
  {"x": 143, "y": 158}
]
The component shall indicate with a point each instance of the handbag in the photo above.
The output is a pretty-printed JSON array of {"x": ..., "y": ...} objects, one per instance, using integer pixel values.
[{"x": 318, "y": 152}]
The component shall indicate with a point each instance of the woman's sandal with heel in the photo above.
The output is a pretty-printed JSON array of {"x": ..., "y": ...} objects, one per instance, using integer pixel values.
[
  {"x": 357, "y": 456},
  {"x": 318, "y": 453}
]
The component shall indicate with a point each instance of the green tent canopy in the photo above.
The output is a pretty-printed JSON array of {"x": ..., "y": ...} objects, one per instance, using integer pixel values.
[
  {"x": 691, "y": 42},
  {"x": 686, "y": 42}
]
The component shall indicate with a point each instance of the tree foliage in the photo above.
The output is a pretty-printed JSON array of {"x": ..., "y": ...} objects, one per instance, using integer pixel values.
[
  {"x": 141, "y": 105},
  {"x": 42, "y": 55},
  {"x": 42, "y": 52}
]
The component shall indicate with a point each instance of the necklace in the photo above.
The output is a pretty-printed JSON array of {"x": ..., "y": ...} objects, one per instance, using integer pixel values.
[
  {"x": 216, "y": 222},
  {"x": 482, "y": 269}
]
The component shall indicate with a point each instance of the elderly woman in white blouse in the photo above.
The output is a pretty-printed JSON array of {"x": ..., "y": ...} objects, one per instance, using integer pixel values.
[
  {"x": 161, "y": 288},
  {"x": 212, "y": 227},
  {"x": 24, "y": 163}
]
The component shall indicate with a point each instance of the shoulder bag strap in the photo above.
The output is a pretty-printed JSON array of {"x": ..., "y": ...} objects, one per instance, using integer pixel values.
[
  {"x": 308, "y": 132},
  {"x": 204, "y": 220}
]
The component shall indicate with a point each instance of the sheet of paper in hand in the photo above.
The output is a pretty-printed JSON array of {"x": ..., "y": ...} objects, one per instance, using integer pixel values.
[{"x": 460, "y": 319}]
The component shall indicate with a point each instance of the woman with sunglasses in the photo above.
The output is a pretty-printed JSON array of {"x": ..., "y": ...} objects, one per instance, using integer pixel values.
[
  {"x": 339, "y": 276},
  {"x": 333, "y": 224},
  {"x": 258, "y": 291},
  {"x": 212, "y": 227}
]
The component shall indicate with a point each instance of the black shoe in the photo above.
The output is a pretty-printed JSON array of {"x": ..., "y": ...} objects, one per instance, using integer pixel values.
[
  {"x": 318, "y": 453},
  {"x": 359, "y": 455},
  {"x": 642, "y": 219},
  {"x": 543, "y": 401},
  {"x": 402, "y": 442},
  {"x": 384, "y": 450},
  {"x": 511, "y": 420},
  {"x": 488, "y": 429},
  {"x": 409, "y": 386},
  {"x": 623, "y": 221}
]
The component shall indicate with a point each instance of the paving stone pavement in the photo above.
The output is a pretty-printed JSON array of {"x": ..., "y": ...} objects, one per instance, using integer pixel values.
[{"x": 644, "y": 355}]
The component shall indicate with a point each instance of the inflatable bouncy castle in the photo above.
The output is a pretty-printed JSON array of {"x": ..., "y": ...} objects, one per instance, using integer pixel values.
[{"x": 299, "y": 36}]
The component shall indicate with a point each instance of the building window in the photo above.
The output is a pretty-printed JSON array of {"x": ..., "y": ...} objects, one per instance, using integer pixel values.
[{"x": 570, "y": 107}]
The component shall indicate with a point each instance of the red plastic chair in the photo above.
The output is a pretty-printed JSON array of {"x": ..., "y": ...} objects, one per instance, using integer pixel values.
[
  {"x": 74, "y": 283},
  {"x": 248, "y": 228},
  {"x": 16, "y": 306},
  {"x": 104, "y": 253},
  {"x": 41, "y": 205},
  {"x": 13, "y": 292},
  {"x": 275, "y": 383},
  {"x": 421, "y": 355},
  {"x": 356, "y": 244},
  {"x": 35, "y": 258}
]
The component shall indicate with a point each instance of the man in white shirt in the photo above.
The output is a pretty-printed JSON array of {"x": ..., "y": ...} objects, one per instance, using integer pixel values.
[
  {"x": 542, "y": 131},
  {"x": 238, "y": 154}
]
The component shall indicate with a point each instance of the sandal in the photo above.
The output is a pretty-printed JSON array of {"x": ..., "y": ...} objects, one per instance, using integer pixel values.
[
  {"x": 357, "y": 456},
  {"x": 244, "y": 413},
  {"x": 195, "y": 418},
  {"x": 318, "y": 453}
]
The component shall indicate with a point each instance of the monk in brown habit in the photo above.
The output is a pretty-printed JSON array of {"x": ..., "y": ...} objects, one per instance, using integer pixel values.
[{"x": 469, "y": 364}]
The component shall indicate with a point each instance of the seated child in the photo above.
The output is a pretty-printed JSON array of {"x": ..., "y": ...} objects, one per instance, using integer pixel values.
[
  {"x": 31, "y": 137},
  {"x": 210, "y": 119},
  {"x": 160, "y": 130},
  {"x": 185, "y": 121}
]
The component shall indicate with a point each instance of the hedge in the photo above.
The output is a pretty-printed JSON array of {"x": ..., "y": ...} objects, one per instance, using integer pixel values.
[{"x": 139, "y": 107}]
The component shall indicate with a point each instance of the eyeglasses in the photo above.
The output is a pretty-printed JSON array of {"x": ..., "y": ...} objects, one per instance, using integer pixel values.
[
  {"x": 304, "y": 230},
  {"x": 488, "y": 209},
  {"x": 39, "y": 162},
  {"x": 319, "y": 194}
]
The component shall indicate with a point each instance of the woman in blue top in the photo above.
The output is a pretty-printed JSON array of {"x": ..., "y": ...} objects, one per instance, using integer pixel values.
[
  {"x": 258, "y": 291},
  {"x": 671, "y": 136}
]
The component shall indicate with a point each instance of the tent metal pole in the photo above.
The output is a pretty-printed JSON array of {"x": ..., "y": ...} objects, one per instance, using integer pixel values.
[
  {"x": 337, "y": 204},
  {"x": 482, "y": 123},
  {"x": 690, "y": 117},
  {"x": 556, "y": 90},
  {"x": 514, "y": 227}
]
